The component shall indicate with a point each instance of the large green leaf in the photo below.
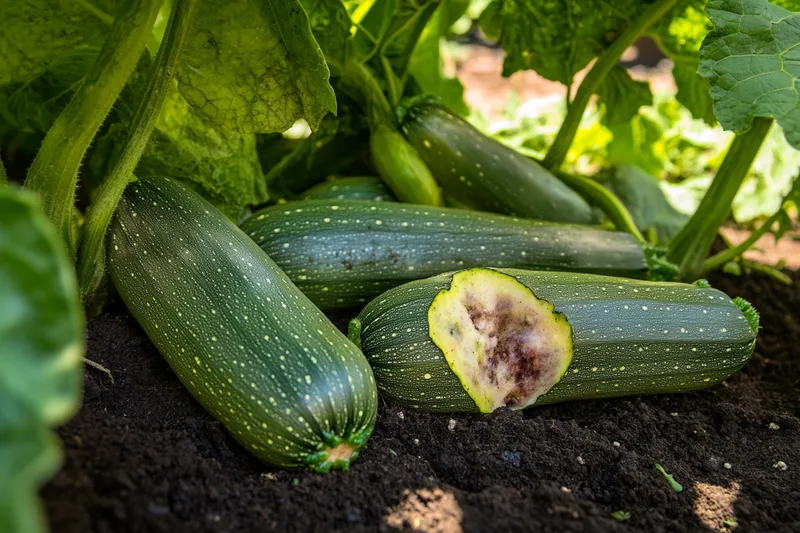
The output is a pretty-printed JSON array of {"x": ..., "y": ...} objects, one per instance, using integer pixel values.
[
  {"x": 330, "y": 24},
  {"x": 752, "y": 60},
  {"x": 255, "y": 67},
  {"x": 41, "y": 349},
  {"x": 221, "y": 165},
  {"x": 38, "y": 35},
  {"x": 642, "y": 196},
  {"x": 556, "y": 38}
]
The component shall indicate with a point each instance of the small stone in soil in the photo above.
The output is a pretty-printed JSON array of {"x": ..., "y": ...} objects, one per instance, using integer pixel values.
[
  {"x": 780, "y": 465},
  {"x": 616, "y": 444},
  {"x": 451, "y": 425},
  {"x": 580, "y": 460},
  {"x": 566, "y": 489},
  {"x": 726, "y": 466},
  {"x": 774, "y": 426}
]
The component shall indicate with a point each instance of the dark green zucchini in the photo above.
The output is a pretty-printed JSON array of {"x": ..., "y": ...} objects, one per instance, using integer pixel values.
[
  {"x": 485, "y": 174},
  {"x": 251, "y": 348},
  {"x": 481, "y": 339},
  {"x": 343, "y": 253},
  {"x": 401, "y": 167},
  {"x": 351, "y": 188}
]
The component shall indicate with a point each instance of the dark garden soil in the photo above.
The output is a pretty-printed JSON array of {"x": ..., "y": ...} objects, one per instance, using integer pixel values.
[{"x": 143, "y": 456}]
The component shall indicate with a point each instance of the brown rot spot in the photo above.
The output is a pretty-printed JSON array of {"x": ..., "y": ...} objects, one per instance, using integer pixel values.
[
  {"x": 508, "y": 350},
  {"x": 507, "y": 346}
]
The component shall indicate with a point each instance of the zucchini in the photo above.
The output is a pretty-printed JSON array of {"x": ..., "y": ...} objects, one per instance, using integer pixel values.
[
  {"x": 239, "y": 335},
  {"x": 485, "y": 174},
  {"x": 343, "y": 253},
  {"x": 401, "y": 167},
  {"x": 480, "y": 339},
  {"x": 353, "y": 188}
]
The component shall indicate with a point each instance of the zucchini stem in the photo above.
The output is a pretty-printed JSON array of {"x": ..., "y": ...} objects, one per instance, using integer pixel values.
[
  {"x": 606, "y": 200},
  {"x": 362, "y": 86},
  {"x": 91, "y": 257},
  {"x": 605, "y": 62},
  {"x": 354, "y": 332},
  {"x": 690, "y": 246},
  {"x": 717, "y": 260},
  {"x": 54, "y": 173}
]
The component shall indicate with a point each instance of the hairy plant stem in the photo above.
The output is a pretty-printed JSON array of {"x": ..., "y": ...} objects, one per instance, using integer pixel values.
[
  {"x": 605, "y": 62},
  {"x": 54, "y": 172},
  {"x": 3, "y": 175},
  {"x": 91, "y": 257},
  {"x": 690, "y": 246}
]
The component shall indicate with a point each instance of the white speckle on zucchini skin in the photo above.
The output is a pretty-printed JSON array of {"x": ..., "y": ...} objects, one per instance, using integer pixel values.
[
  {"x": 287, "y": 385},
  {"x": 619, "y": 349},
  {"x": 363, "y": 248}
]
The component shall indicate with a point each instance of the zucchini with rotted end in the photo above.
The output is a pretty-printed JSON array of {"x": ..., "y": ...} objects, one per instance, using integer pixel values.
[
  {"x": 484, "y": 174},
  {"x": 343, "y": 253},
  {"x": 239, "y": 335},
  {"x": 401, "y": 167},
  {"x": 481, "y": 339},
  {"x": 352, "y": 188}
]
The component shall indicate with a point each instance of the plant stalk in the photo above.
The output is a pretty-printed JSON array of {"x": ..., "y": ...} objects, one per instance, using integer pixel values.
[
  {"x": 690, "y": 246},
  {"x": 606, "y": 201},
  {"x": 605, "y": 62},
  {"x": 362, "y": 86},
  {"x": 91, "y": 257},
  {"x": 54, "y": 173},
  {"x": 717, "y": 260}
]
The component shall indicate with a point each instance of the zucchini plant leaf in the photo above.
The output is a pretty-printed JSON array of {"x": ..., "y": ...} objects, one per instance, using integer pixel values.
[
  {"x": 41, "y": 342},
  {"x": 622, "y": 96},
  {"x": 567, "y": 35},
  {"x": 221, "y": 165},
  {"x": 254, "y": 66},
  {"x": 642, "y": 196},
  {"x": 330, "y": 25},
  {"x": 41, "y": 34},
  {"x": 751, "y": 59}
]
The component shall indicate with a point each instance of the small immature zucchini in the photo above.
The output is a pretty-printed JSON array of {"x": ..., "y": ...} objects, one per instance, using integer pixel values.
[
  {"x": 484, "y": 174},
  {"x": 343, "y": 253},
  {"x": 401, "y": 167},
  {"x": 239, "y": 335},
  {"x": 351, "y": 188},
  {"x": 481, "y": 339}
]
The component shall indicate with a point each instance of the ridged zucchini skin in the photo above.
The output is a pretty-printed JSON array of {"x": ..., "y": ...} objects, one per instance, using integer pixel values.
[
  {"x": 483, "y": 173},
  {"x": 343, "y": 253},
  {"x": 350, "y": 188},
  {"x": 630, "y": 337},
  {"x": 249, "y": 346}
]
